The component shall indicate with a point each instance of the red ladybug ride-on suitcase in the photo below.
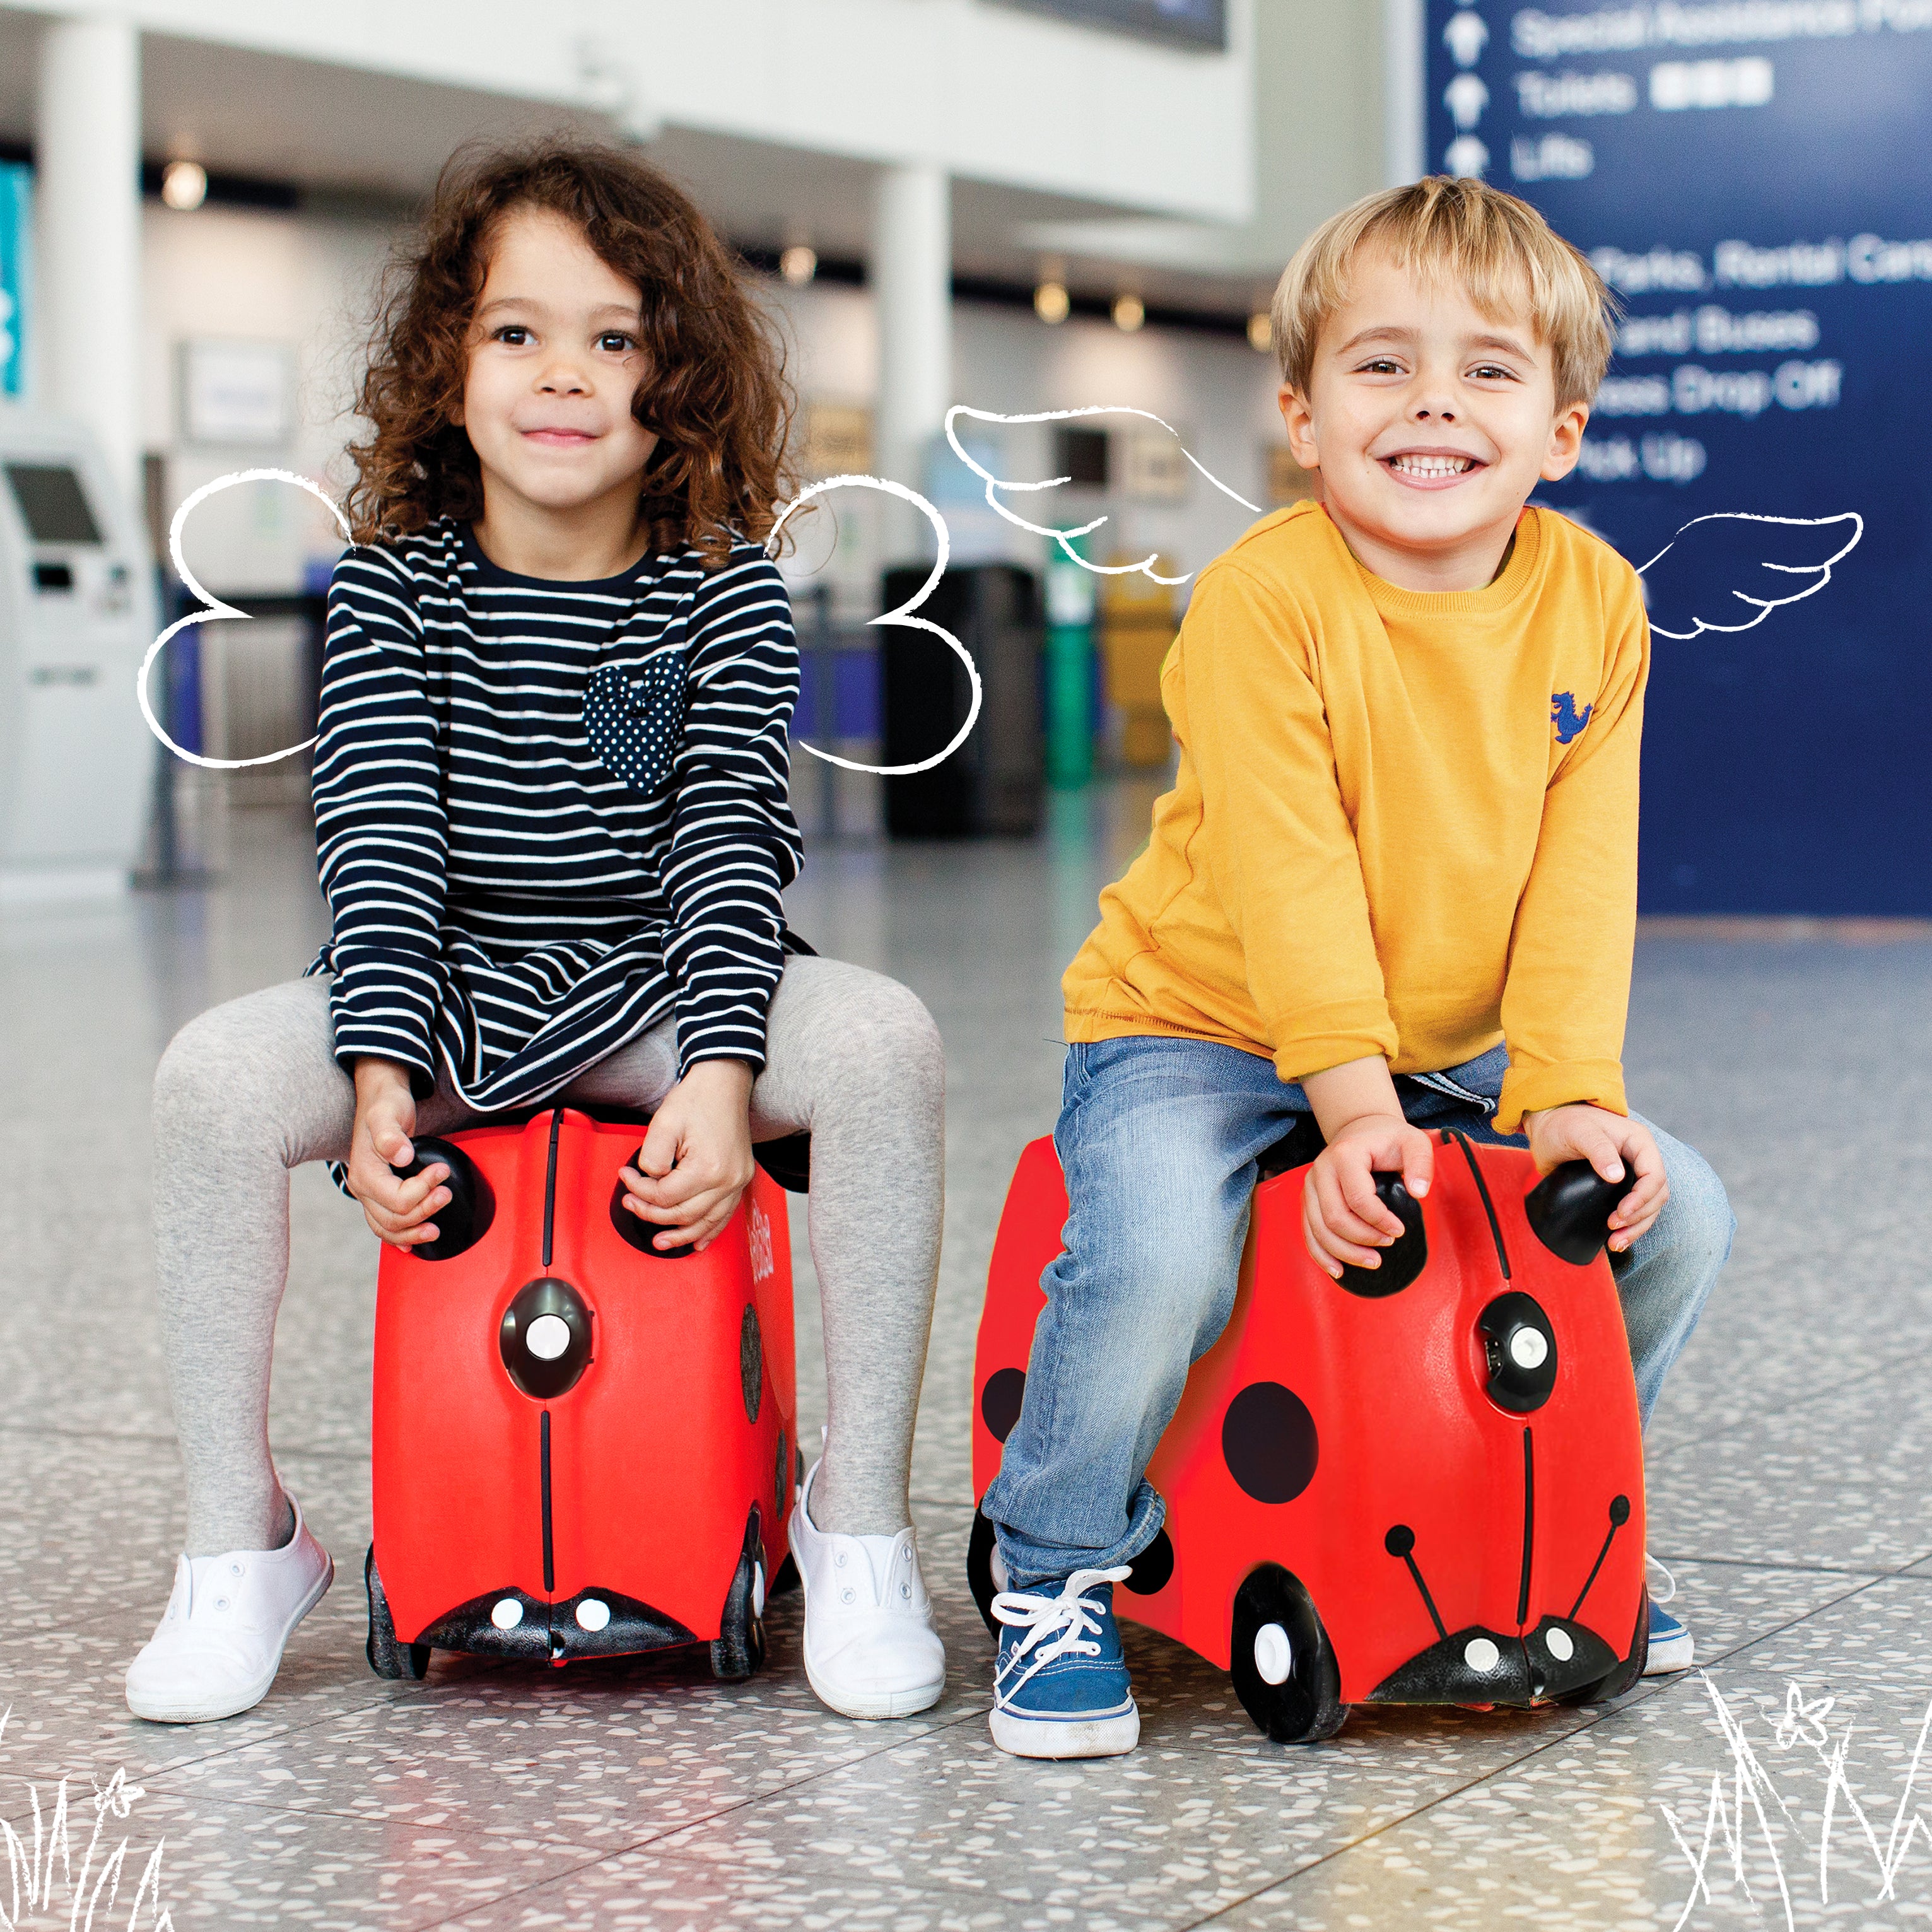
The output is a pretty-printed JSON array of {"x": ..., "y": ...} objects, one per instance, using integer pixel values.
[
  {"x": 581, "y": 1448},
  {"x": 1421, "y": 1485}
]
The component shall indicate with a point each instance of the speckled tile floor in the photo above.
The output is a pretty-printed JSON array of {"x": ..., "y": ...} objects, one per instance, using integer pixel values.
[{"x": 1782, "y": 1784}]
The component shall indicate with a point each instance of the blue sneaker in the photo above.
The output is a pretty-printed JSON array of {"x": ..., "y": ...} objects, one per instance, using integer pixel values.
[
  {"x": 1671, "y": 1647},
  {"x": 1061, "y": 1689}
]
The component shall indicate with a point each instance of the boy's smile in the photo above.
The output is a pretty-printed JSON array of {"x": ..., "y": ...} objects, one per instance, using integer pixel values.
[{"x": 1430, "y": 423}]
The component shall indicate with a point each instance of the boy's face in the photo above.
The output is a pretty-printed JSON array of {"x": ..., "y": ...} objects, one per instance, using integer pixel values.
[
  {"x": 554, "y": 361},
  {"x": 1430, "y": 423}
]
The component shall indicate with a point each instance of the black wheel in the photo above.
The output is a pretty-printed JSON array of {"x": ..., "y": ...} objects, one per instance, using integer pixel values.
[
  {"x": 979, "y": 1551},
  {"x": 739, "y": 1648},
  {"x": 387, "y": 1657},
  {"x": 1284, "y": 1668},
  {"x": 1615, "y": 1683},
  {"x": 785, "y": 1582}
]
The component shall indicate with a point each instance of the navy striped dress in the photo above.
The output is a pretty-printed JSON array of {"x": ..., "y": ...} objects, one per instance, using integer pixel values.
[{"x": 548, "y": 815}]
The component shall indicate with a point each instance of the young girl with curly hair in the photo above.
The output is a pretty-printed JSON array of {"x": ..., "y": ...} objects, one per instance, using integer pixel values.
[{"x": 552, "y": 827}]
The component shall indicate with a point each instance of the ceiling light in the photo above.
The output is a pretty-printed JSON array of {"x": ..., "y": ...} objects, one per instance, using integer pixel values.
[
  {"x": 184, "y": 184},
  {"x": 798, "y": 264},
  {"x": 1051, "y": 303},
  {"x": 1129, "y": 312},
  {"x": 1261, "y": 331}
]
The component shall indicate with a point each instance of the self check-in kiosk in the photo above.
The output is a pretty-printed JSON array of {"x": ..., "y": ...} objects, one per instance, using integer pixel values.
[{"x": 77, "y": 612}]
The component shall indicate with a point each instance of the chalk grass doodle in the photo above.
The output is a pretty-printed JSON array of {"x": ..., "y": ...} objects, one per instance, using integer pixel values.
[
  {"x": 214, "y": 610},
  {"x": 1065, "y": 536},
  {"x": 1819, "y": 572},
  {"x": 1810, "y": 576},
  {"x": 1748, "y": 1821},
  {"x": 902, "y": 616},
  {"x": 84, "y": 1901}
]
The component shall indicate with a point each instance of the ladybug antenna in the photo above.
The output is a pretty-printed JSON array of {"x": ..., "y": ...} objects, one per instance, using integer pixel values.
[
  {"x": 1620, "y": 1511},
  {"x": 1400, "y": 1541}
]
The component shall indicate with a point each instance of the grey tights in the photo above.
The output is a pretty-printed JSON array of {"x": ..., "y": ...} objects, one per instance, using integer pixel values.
[{"x": 251, "y": 1089}]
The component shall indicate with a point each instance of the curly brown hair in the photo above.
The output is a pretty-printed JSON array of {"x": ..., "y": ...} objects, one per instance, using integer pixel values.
[{"x": 716, "y": 393}]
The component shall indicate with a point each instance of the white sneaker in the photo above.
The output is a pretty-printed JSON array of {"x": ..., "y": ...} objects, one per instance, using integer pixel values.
[
  {"x": 870, "y": 1648},
  {"x": 217, "y": 1647}
]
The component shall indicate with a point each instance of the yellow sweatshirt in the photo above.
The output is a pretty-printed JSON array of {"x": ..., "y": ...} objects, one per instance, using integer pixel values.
[{"x": 1404, "y": 823}]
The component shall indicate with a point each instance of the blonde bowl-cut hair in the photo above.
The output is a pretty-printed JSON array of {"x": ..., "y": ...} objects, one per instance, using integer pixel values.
[{"x": 1498, "y": 249}]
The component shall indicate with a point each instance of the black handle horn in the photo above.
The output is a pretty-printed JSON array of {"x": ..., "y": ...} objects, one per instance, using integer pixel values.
[
  {"x": 1406, "y": 1257},
  {"x": 1570, "y": 1210},
  {"x": 634, "y": 1228},
  {"x": 465, "y": 1219}
]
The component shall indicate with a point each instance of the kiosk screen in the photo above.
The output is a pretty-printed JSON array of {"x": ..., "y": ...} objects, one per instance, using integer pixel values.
[{"x": 51, "y": 503}]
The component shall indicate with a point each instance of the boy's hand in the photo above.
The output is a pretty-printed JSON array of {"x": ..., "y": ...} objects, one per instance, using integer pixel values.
[
  {"x": 1342, "y": 1218},
  {"x": 1615, "y": 1146},
  {"x": 386, "y": 1117},
  {"x": 696, "y": 1158}
]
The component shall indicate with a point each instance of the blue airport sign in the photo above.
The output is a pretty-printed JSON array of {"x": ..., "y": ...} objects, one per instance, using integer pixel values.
[{"x": 1753, "y": 178}]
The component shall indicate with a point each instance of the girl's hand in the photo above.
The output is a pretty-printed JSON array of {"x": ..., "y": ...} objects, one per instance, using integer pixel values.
[
  {"x": 386, "y": 1117},
  {"x": 696, "y": 1158},
  {"x": 1342, "y": 1218},
  {"x": 1614, "y": 1146}
]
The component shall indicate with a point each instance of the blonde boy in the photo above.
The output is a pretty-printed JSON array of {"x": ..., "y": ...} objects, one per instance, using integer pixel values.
[{"x": 1394, "y": 888}]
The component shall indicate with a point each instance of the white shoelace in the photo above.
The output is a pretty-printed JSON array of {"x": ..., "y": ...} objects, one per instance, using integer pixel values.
[
  {"x": 1669, "y": 1590},
  {"x": 1061, "y": 1626}
]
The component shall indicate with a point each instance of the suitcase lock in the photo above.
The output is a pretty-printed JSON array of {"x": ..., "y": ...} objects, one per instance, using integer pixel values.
[
  {"x": 1519, "y": 1347},
  {"x": 544, "y": 1339}
]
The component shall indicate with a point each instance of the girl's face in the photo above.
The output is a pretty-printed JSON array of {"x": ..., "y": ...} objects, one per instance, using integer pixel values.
[{"x": 554, "y": 361}]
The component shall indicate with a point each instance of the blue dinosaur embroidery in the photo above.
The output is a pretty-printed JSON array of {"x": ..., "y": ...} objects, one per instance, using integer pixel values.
[{"x": 1569, "y": 721}]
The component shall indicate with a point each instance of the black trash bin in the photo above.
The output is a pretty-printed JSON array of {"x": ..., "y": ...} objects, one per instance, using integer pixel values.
[{"x": 992, "y": 786}]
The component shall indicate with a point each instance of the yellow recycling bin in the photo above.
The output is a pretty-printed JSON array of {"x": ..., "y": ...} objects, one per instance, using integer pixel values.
[{"x": 1137, "y": 625}]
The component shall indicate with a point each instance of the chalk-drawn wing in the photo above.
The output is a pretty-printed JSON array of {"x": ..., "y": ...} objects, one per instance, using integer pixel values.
[
  {"x": 1065, "y": 534},
  {"x": 1730, "y": 570}
]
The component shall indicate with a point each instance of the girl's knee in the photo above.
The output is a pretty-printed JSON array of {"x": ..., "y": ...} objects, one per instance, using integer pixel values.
[
  {"x": 886, "y": 1027},
  {"x": 897, "y": 1020},
  {"x": 193, "y": 1075}
]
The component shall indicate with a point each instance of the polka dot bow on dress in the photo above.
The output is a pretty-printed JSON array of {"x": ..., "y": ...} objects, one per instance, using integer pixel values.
[{"x": 635, "y": 724}]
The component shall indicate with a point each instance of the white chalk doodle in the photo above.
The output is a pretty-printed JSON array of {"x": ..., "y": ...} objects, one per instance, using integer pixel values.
[
  {"x": 1817, "y": 569},
  {"x": 35, "y": 1865},
  {"x": 1755, "y": 1822},
  {"x": 1682, "y": 549},
  {"x": 1066, "y": 535},
  {"x": 901, "y": 617},
  {"x": 214, "y": 611}
]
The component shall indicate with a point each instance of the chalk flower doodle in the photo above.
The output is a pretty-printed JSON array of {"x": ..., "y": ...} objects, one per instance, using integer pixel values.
[
  {"x": 42, "y": 1886},
  {"x": 1065, "y": 536},
  {"x": 1748, "y": 1818},
  {"x": 214, "y": 610}
]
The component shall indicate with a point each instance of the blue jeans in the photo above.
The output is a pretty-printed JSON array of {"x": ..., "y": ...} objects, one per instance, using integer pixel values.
[{"x": 1158, "y": 1139}]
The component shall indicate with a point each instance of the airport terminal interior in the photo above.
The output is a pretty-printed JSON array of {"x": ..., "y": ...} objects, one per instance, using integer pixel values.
[
  {"x": 1066, "y": 217},
  {"x": 1786, "y": 1485}
]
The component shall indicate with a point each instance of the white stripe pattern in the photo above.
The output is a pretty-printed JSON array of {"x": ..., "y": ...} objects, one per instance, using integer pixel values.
[{"x": 501, "y": 903}]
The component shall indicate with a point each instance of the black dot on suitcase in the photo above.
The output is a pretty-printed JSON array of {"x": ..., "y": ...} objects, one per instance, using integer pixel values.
[
  {"x": 1153, "y": 1569},
  {"x": 1268, "y": 1439},
  {"x": 750, "y": 1363},
  {"x": 1000, "y": 1400}
]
